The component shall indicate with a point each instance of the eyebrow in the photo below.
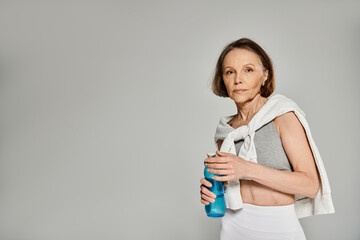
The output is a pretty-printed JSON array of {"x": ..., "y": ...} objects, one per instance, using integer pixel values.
[{"x": 244, "y": 65}]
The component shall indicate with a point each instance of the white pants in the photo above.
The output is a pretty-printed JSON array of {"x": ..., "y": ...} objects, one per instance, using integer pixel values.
[{"x": 253, "y": 222}]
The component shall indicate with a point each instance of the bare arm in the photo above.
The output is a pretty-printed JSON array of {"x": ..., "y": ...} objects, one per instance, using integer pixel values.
[{"x": 304, "y": 180}]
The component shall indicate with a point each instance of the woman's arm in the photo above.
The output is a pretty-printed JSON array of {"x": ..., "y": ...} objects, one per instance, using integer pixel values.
[{"x": 303, "y": 181}]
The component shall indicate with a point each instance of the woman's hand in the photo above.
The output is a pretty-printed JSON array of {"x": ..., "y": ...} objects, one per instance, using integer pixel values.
[
  {"x": 231, "y": 166},
  {"x": 206, "y": 195}
]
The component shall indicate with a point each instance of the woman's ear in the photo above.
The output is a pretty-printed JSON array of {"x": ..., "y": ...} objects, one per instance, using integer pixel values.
[{"x": 266, "y": 74}]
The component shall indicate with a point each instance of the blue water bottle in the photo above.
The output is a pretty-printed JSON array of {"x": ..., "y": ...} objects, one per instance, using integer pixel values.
[{"x": 217, "y": 208}]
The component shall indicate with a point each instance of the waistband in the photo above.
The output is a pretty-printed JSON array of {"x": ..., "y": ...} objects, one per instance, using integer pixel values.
[
  {"x": 264, "y": 218},
  {"x": 270, "y": 210}
]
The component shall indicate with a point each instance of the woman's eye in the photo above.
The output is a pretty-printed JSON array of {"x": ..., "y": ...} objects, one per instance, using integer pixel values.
[
  {"x": 248, "y": 70},
  {"x": 229, "y": 72}
]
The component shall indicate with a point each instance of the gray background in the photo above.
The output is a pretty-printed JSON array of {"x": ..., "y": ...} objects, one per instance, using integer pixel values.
[{"x": 107, "y": 113}]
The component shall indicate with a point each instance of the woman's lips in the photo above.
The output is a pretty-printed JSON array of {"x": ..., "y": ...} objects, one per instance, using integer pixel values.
[{"x": 239, "y": 90}]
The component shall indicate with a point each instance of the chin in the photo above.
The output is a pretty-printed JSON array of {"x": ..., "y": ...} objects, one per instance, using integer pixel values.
[
  {"x": 242, "y": 98},
  {"x": 237, "y": 97}
]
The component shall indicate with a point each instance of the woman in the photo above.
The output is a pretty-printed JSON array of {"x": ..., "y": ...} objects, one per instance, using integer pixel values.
[{"x": 285, "y": 166}]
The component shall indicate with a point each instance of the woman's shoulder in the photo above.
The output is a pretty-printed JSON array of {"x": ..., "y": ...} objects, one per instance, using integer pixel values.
[
  {"x": 287, "y": 122},
  {"x": 280, "y": 101}
]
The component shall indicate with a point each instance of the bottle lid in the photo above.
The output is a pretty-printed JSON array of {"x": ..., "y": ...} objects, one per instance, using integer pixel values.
[{"x": 211, "y": 154}]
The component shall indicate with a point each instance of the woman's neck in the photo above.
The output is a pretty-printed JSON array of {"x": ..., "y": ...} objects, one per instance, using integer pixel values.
[{"x": 247, "y": 110}]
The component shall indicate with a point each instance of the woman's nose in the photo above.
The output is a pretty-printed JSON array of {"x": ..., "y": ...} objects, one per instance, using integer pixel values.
[{"x": 238, "y": 78}]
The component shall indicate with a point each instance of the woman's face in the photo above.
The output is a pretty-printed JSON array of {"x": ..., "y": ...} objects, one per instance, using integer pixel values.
[{"x": 243, "y": 70}]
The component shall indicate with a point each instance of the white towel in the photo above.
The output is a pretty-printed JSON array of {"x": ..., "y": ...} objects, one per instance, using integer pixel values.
[{"x": 275, "y": 106}]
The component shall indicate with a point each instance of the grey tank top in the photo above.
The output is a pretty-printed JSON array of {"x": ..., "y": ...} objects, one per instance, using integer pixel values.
[{"x": 269, "y": 149}]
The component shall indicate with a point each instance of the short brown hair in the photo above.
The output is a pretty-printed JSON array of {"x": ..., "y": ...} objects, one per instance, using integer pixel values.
[{"x": 218, "y": 86}]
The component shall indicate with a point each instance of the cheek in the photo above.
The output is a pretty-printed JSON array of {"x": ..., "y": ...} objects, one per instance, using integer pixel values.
[
  {"x": 255, "y": 85},
  {"x": 255, "y": 82},
  {"x": 260, "y": 79},
  {"x": 227, "y": 81}
]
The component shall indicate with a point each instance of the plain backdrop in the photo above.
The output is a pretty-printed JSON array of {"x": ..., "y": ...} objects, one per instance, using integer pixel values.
[{"x": 107, "y": 113}]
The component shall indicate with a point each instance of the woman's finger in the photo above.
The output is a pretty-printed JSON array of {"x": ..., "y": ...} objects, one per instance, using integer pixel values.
[
  {"x": 224, "y": 153},
  {"x": 207, "y": 198},
  {"x": 221, "y": 172},
  {"x": 205, "y": 202},
  {"x": 206, "y": 191},
  {"x": 217, "y": 160},
  {"x": 218, "y": 165},
  {"x": 223, "y": 178},
  {"x": 205, "y": 182}
]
